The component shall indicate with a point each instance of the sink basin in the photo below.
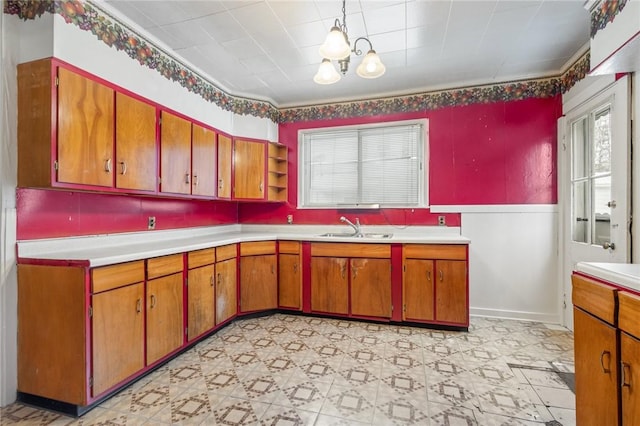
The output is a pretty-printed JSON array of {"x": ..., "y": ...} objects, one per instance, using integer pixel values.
[{"x": 351, "y": 235}]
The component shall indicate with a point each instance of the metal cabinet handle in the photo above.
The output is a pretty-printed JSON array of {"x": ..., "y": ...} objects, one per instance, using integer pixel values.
[
  {"x": 602, "y": 355},
  {"x": 212, "y": 280},
  {"x": 107, "y": 166},
  {"x": 343, "y": 270},
  {"x": 123, "y": 168},
  {"x": 220, "y": 183},
  {"x": 273, "y": 269},
  {"x": 187, "y": 178},
  {"x": 441, "y": 275},
  {"x": 609, "y": 245},
  {"x": 428, "y": 275},
  {"x": 153, "y": 301},
  {"x": 195, "y": 180},
  {"x": 219, "y": 278},
  {"x": 625, "y": 367},
  {"x": 295, "y": 267},
  {"x": 139, "y": 305},
  {"x": 582, "y": 219},
  {"x": 261, "y": 186}
]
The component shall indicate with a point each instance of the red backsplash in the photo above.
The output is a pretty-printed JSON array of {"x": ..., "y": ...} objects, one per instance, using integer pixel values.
[
  {"x": 53, "y": 213},
  {"x": 497, "y": 153}
]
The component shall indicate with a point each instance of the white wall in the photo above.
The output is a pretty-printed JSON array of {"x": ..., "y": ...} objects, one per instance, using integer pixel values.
[{"x": 513, "y": 261}]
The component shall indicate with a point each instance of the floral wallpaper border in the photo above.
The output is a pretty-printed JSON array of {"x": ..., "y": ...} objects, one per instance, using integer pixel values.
[
  {"x": 604, "y": 13},
  {"x": 106, "y": 28}
]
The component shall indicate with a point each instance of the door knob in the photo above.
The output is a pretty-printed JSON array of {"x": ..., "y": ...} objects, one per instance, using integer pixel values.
[
  {"x": 609, "y": 245},
  {"x": 612, "y": 204}
]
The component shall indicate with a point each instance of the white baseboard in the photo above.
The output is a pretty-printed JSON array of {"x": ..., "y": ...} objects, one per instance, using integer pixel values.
[{"x": 515, "y": 315}]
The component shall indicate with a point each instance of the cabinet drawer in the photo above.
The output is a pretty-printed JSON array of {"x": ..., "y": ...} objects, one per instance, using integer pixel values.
[
  {"x": 435, "y": 251},
  {"x": 596, "y": 298},
  {"x": 629, "y": 313},
  {"x": 376, "y": 251},
  {"x": 226, "y": 252},
  {"x": 110, "y": 277},
  {"x": 165, "y": 265},
  {"x": 289, "y": 247},
  {"x": 201, "y": 257},
  {"x": 258, "y": 247}
]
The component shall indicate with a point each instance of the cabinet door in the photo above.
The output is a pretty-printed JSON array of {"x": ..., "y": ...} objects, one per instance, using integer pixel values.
[
  {"x": 371, "y": 287},
  {"x": 451, "y": 291},
  {"x": 204, "y": 161},
  {"x": 329, "y": 285},
  {"x": 290, "y": 281},
  {"x": 417, "y": 294},
  {"x": 226, "y": 290},
  {"x": 164, "y": 316},
  {"x": 135, "y": 144},
  {"x": 597, "y": 391},
  {"x": 630, "y": 356},
  {"x": 118, "y": 336},
  {"x": 224, "y": 166},
  {"x": 258, "y": 283},
  {"x": 175, "y": 154},
  {"x": 200, "y": 301},
  {"x": 249, "y": 169},
  {"x": 85, "y": 130}
]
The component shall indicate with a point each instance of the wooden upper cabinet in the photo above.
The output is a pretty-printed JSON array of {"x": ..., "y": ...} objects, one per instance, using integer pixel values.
[
  {"x": 203, "y": 161},
  {"x": 85, "y": 130},
  {"x": 225, "y": 158},
  {"x": 135, "y": 165},
  {"x": 175, "y": 154},
  {"x": 249, "y": 169}
]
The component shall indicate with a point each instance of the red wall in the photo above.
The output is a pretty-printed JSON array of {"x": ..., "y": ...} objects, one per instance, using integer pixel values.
[
  {"x": 53, "y": 213},
  {"x": 500, "y": 153},
  {"x": 497, "y": 153}
]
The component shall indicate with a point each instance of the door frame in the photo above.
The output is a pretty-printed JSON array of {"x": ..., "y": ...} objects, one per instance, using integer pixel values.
[{"x": 586, "y": 91}]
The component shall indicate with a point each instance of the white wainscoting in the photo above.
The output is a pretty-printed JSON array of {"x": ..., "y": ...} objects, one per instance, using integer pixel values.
[{"x": 513, "y": 262}]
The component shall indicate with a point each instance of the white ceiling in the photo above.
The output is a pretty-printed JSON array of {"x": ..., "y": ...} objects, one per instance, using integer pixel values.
[{"x": 268, "y": 49}]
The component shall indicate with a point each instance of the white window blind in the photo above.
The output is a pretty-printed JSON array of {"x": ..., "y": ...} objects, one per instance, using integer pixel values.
[{"x": 362, "y": 166}]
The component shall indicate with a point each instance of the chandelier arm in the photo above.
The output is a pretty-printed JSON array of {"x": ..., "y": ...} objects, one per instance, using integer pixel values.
[
  {"x": 344, "y": 17},
  {"x": 358, "y": 51}
]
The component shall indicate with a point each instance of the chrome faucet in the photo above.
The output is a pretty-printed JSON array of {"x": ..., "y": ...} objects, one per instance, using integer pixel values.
[{"x": 356, "y": 226}]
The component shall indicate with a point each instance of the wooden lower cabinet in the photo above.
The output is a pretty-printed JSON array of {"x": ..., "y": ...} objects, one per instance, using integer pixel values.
[
  {"x": 418, "y": 290},
  {"x": 371, "y": 287},
  {"x": 289, "y": 275},
  {"x": 434, "y": 282},
  {"x": 201, "y": 293},
  {"x": 329, "y": 285},
  {"x": 226, "y": 284},
  {"x": 258, "y": 276},
  {"x": 630, "y": 381},
  {"x": 596, "y": 355},
  {"x": 165, "y": 330},
  {"x": 351, "y": 279},
  {"x": 118, "y": 335}
]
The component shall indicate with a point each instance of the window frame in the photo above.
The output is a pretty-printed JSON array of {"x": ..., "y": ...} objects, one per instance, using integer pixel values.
[{"x": 423, "y": 165}]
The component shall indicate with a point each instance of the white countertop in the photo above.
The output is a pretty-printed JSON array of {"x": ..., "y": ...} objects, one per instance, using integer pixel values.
[
  {"x": 100, "y": 250},
  {"x": 622, "y": 274}
]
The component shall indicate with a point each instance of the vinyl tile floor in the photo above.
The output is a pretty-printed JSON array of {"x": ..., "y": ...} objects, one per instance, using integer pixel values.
[{"x": 296, "y": 370}]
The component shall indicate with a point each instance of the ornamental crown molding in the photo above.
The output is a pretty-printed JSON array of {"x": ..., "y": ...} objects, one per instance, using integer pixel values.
[{"x": 108, "y": 29}]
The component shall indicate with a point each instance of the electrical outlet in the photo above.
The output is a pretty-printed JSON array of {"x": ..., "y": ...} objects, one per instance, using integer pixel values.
[
  {"x": 152, "y": 222},
  {"x": 289, "y": 219},
  {"x": 441, "y": 221}
]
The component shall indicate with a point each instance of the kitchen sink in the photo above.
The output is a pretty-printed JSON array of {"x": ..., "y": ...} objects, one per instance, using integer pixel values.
[{"x": 352, "y": 235}]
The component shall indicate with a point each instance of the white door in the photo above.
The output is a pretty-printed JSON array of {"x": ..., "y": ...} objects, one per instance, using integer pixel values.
[{"x": 596, "y": 183}]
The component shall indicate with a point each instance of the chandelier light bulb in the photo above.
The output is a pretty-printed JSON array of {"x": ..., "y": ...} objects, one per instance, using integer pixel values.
[
  {"x": 371, "y": 66},
  {"x": 327, "y": 73},
  {"x": 335, "y": 46}
]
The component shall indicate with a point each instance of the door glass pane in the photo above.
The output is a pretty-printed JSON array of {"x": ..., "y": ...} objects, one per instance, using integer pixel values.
[
  {"x": 601, "y": 212},
  {"x": 602, "y": 142},
  {"x": 580, "y": 209},
  {"x": 579, "y": 145}
]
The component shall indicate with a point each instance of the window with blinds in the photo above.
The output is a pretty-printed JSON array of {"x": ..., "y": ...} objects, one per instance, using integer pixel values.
[{"x": 364, "y": 166}]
